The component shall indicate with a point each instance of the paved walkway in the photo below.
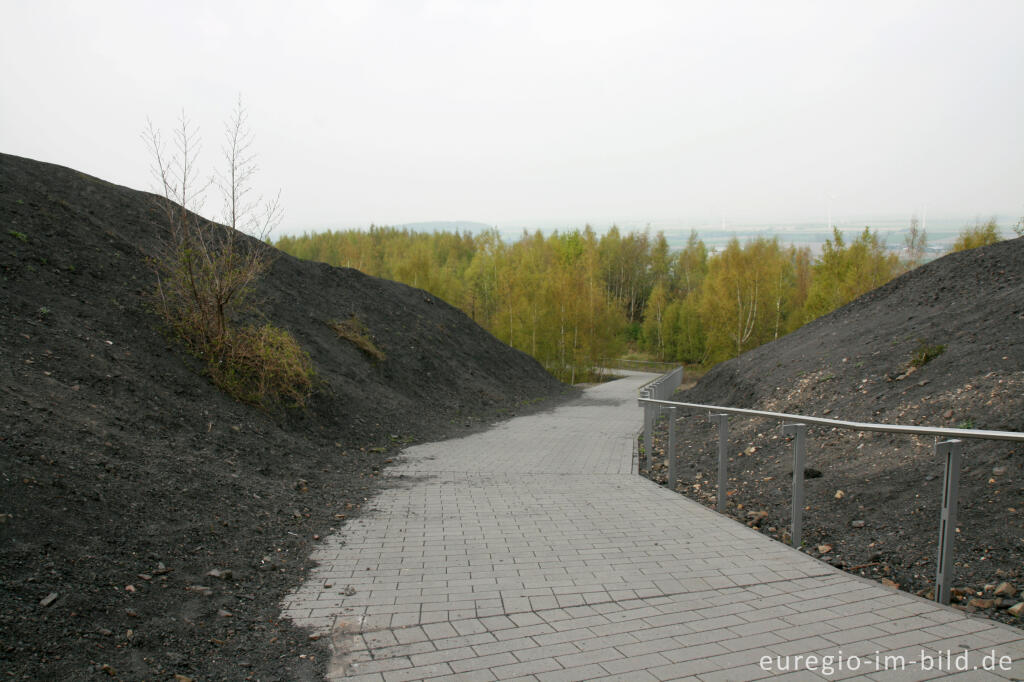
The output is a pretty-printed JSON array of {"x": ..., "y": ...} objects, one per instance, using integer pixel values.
[{"x": 530, "y": 552}]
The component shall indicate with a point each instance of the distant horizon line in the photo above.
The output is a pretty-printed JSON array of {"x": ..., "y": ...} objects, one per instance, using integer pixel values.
[{"x": 888, "y": 222}]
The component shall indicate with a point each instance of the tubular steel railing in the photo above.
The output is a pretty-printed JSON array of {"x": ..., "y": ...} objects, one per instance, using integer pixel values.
[
  {"x": 658, "y": 390},
  {"x": 948, "y": 446}
]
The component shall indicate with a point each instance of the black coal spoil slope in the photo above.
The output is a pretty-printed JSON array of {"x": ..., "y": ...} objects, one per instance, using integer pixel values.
[
  {"x": 857, "y": 364},
  {"x": 149, "y": 525}
]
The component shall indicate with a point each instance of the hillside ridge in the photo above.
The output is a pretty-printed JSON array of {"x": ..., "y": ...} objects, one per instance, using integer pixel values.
[
  {"x": 128, "y": 477},
  {"x": 856, "y": 364}
]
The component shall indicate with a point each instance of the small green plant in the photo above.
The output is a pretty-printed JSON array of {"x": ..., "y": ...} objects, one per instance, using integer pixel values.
[
  {"x": 354, "y": 331},
  {"x": 42, "y": 312},
  {"x": 966, "y": 424},
  {"x": 262, "y": 366},
  {"x": 925, "y": 353},
  {"x": 18, "y": 235}
]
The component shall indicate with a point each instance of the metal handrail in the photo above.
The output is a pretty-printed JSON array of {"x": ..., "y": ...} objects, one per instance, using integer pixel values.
[
  {"x": 941, "y": 432},
  {"x": 948, "y": 449}
]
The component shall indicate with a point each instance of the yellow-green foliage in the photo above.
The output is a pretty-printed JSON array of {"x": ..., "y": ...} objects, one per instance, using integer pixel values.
[
  {"x": 573, "y": 298},
  {"x": 262, "y": 366},
  {"x": 354, "y": 331},
  {"x": 846, "y": 271},
  {"x": 980, "y": 234}
]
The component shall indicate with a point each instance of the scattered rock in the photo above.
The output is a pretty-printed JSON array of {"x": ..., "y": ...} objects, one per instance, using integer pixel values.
[
  {"x": 1005, "y": 589},
  {"x": 226, "y": 574},
  {"x": 224, "y": 613},
  {"x": 1016, "y": 609},
  {"x": 840, "y": 494},
  {"x": 349, "y": 591},
  {"x": 998, "y": 471},
  {"x": 756, "y": 518},
  {"x": 858, "y": 523},
  {"x": 961, "y": 593},
  {"x": 824, "y": 549},
  {"x": 890, "y": 583},
  {"x": 200, "y": 589},
  {"x": 982, "y": 603},
  {"x": 49, "y": 599}
]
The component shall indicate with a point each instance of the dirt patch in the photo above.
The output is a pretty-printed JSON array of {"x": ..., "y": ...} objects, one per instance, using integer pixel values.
[
  {"x": 874, "y": 509},
  {"x": 149, "y": 525}
]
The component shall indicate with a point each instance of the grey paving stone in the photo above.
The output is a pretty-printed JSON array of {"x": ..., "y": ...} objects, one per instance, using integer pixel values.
[{"x": 531, "y": 551}]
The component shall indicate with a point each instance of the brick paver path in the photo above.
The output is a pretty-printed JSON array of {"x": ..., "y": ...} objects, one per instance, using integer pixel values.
[{"x": 530, "y": 552}]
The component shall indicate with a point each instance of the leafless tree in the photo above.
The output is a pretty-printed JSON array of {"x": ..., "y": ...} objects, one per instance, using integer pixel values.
[
  {"x": 205, "y": 270},
  {"x": 916, "y": 242}
]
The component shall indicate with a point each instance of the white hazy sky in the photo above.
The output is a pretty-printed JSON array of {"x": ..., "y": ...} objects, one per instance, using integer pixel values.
[{"x": 542, "y": 112}]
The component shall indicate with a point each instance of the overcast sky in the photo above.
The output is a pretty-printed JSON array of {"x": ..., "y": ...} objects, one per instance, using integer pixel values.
[{"x": 542, "y": 113}]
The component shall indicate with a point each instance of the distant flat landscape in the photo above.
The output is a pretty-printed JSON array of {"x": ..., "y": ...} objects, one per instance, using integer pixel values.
[{"x": 942, "y": 232}]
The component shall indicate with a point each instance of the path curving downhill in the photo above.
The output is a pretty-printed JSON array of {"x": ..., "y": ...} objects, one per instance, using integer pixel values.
[{"x": 529, "y": 551}]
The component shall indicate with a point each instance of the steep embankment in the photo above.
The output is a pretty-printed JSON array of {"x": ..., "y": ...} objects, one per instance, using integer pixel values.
[
  {"x": 126, "y": 477},
  {"x": 855, "y": 364}
]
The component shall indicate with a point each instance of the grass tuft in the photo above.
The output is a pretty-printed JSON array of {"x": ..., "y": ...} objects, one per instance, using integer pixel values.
[
  {"x": 354, "y": 331},
  {"x": 924, "y": 353},
  {"x": 262, "y": 366}
]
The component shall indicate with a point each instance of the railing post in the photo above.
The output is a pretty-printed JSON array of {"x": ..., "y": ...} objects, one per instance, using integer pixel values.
[
  {"x": 648, "y": 429},
  {"x": 947, "y": 521},
  {"x": 722, "y": 420},
  {"x": 798, "y": 432},
  {"x": 672, "y": 476}
]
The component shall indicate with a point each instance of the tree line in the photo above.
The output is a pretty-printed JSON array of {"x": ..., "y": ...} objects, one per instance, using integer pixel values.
[{"x": 571, "y": 298}]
